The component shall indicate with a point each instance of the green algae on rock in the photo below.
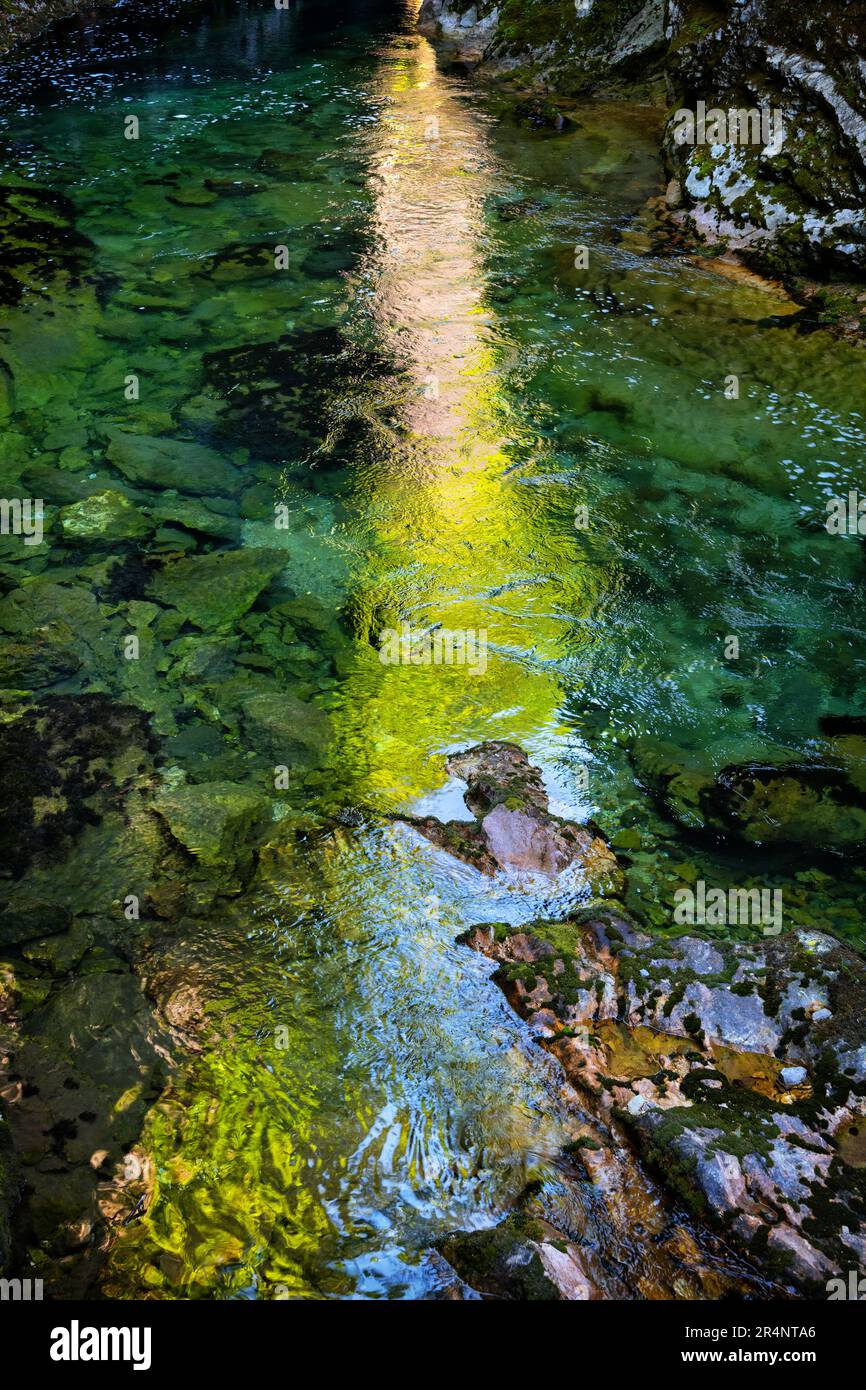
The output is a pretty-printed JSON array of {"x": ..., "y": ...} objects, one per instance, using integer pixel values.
[
  {"x": 172, "y": 463},
  {"x": 39, "y": 242},
  {"x": 508, "y": 1262},
  {"x": 216, "y": 821},
  {"x": 212, "y": 591},
  {"x": 105, "y": 516},
  {"x": 817, "y": 807}
]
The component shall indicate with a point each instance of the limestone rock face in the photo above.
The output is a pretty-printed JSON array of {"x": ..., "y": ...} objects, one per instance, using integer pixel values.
[
  {"x": 470, "y": 27},
  {"x": 24, "y": 18},
  {"x": 794, "y": 197},
  {"x": 571, "y": 47},
  {"x": 790, "y": 197},
  {"x": 739, "y": 1069}
]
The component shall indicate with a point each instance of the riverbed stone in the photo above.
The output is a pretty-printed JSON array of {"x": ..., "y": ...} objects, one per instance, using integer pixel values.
[
  {"x": 798, "y": 806},
  {"x": 106, "y": 516},
  {"x": 217, "y": 822},
  {"x": 212, "y": 591},
  {"x": 46, "y": 660},
  {"x": 172, "y": 463},
  {"x": 58, "y": 954},
  {"x": 39, "y": 241},
  {"x": 198, "y": 515},
  {"x": 284, "y": 727}
]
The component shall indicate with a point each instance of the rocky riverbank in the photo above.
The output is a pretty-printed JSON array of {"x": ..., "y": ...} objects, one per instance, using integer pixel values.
[
  {"x": 737, "y": 1068},
  {"x": 24, "y": 19},
  {"x": 787, "y": 198}
]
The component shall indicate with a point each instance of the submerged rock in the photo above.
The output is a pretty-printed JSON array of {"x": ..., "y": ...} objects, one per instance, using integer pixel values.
[
  {"x": 513, "y": 828},
  {"x": 106, "y": 516},
  {"x": 201, "y": 516},
  {"x": 812, "y": 806},
  {"x": 308, "y": 390},
  {"x": 214, "y": 590},
  {"x": 287, "y": 164},
  {"x": 80, "y": 1079},
  {"x": 522, "y": 1259},
  {"x": 60, "y": 762},
  {"x": 192, "y": 196},
  {"x": 7, "y": 393},
  {"x": 239, "y": 261},
  {"x": 283, "y": 727},
  {"x": 46, "y": 660},
  {"x": 172, "y": 463},
  {"x": 217, "y": 822},
  {"x": 39, "y": 242},
  {"x": 234, "y": 188}
]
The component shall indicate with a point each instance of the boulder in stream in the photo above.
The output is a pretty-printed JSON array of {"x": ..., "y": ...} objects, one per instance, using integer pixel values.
[
  {"x": 513, "y": 828},
  {"x": 817, "y": 806}
]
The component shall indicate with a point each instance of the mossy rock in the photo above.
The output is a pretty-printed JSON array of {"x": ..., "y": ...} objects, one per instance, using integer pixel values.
[
  {"x": 219, "y": 823},
  {"x": 106, "y": 516},
  {"x": 804, "y": 806},
  {"x": 32, "y": 665},
  {"x": 172, "y": 463},
  {"x": 502, "y": 1262},
  {"x": 285, "y": 728},
  {"x": 213, "y": 591},
  {"x": 38, "y": 242},
  {"x": 62, "y": 763}
]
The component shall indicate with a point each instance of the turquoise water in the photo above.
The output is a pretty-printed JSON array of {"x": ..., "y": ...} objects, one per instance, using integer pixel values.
[{"x": 432, "y": 389}]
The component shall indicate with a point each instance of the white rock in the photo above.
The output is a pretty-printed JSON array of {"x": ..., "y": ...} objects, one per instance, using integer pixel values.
[{"x": 792, "y": 1076}]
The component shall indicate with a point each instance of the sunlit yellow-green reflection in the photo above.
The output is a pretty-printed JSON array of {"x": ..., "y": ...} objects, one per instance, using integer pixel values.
[
  {"x": 248, "y": 1192},
  {"x": 448, "y": 527}
]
